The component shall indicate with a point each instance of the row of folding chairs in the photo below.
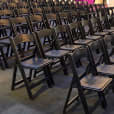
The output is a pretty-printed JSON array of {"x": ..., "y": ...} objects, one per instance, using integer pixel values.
[
  {"x": 96, "y": 45},
  {"x": 31, "y": 64},
  {"x": 50, "y": 18}
]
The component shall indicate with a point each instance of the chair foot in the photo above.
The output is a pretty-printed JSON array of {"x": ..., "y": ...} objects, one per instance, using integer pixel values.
[
  {"x": 65, "y": 69},
  {"x": 102, "y": 100}
]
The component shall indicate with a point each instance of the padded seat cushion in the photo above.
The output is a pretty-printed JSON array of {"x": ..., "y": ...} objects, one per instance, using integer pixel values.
[
  {"x": 56, "y": 53},
  {"x": 106, "y": 69},
  {"x": 97, "y": 83},
  {"x": 112, "y": 28},
  {"x": 82, "y": 42},
  {"x": 101, "y": 33},
  {"x": 35, "y": 63},
  {"x": 112, "y": 58},
  {"x": 70, "y": 47},
  {"x": 108, "y": 30},
  {"x": 93, "y": 37}
]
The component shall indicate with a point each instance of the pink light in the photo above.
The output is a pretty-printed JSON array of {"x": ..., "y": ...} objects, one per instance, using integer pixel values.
[{"x": 89, "y": 1}]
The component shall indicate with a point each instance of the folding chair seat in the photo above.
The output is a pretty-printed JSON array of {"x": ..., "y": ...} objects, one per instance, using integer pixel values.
[
  {"x": 69, "y": 47},
  {"x": 97, "y": 83},
  {"x": 53, "y": 50},
  {"x": 34, "y": 62},
  {"x": 56, "y": 53},
  {"x": 88, "y": 81}
]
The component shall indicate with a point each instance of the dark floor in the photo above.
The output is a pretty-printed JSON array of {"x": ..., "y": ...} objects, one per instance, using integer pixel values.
[{"x": 49, "y": 101}]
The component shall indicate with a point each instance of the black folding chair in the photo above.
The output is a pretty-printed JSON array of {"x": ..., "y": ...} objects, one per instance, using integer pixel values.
[
  {"x": 89, "y": 81},
  {"x": 64, "y": 38},
  {"x": 51, "y": 49},
  {"x": 32, "y": 62}
]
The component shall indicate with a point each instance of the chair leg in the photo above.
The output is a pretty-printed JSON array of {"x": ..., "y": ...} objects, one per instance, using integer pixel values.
[
  {"x": 102, "y": 99},
  {"x": 67, "y": 99},
  {"x": 65, "y": 70},
  {"x": 30, "y": 75},
  {"x": 4, "y": 58},
  {"x": 50, "y": 75},
  {"x": 82, "y": 98},
  {"x": 112, "y": 85},
  {"x": 2, "y": 64},
  {"x": 28, "y": 88},
  {"x": 35, "y": 72},
  {"x": 49, "y": 82},
  {"x": 8, "y": 48},
  {"x": 14, "y": 78}
]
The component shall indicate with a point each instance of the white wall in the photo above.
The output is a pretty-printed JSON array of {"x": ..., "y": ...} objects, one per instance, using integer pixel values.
[{"x": 110, "y": 2}]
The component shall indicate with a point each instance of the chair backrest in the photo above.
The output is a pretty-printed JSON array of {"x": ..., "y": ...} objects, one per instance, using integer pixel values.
[
  {"x": 73, "y": 16},
  {"x": 75, "y": 31},
  {"x": 80, "y": 62},
  {"x": 63, "y": 17},
  {"x": 37, "y": 11},
  {"x": 87, "y": 27},
  {"x": 12, "y": 6},
  {"x": 36, "y": 22},
  {"x": 17, "y": 46},
  {"x": 34, "y": 4},
  {"x": 51, "y": 20},
  {"x": 57, "y": 9},
  {"x": 22, "y": 5},
  {"x": 23, "y": 12},
  {"x": 5, "y": 29},
  {"x": 63, "y": 34},
  {"x": 20, "y": 25},
  {"x": 3, "y": 5},
  {"x": 50, "y": 36},
  {"x": 108, "y": 40},
  {"x": 96, "y": 25},
  {"x": 103, "y": 18},
  {"x": 97, "y": 52},
  {"x": 5, "y": 14},
  {"x": 47, "y": 10}
]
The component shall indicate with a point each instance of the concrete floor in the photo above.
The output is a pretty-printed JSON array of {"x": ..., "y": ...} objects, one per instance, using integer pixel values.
[{"x": 48, "y": 101}]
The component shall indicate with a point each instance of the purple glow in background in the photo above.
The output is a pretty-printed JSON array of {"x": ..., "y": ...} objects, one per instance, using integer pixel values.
[{"x": 89, "y": 1}]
